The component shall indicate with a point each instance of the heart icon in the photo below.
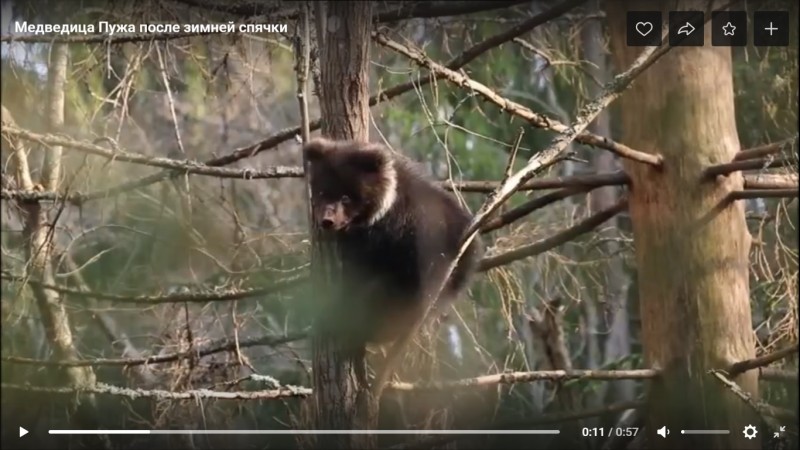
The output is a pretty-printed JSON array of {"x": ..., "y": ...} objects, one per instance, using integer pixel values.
[{"x": 644, "y": 28}]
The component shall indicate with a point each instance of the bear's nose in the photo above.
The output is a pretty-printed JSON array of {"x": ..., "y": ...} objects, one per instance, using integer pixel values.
[{"x": 327, "y": 224}]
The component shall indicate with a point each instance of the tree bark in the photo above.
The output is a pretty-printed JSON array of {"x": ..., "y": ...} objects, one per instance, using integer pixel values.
[
  {"x": 692, "y": 263},
  {"x": 343, "y": 36}
]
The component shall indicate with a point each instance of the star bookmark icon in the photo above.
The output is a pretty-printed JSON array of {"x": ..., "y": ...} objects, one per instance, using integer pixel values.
[{"x": 729, "y": 29}]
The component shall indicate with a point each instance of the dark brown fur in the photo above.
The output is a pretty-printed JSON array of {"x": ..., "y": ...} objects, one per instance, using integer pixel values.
[{"x": 397, "y": 234}]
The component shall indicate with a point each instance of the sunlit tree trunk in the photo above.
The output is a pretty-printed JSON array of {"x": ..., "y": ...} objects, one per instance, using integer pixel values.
[{"x": 692, "y": 258}]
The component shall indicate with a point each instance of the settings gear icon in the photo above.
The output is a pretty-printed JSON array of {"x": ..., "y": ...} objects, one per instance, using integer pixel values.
[{"x": 750, "y": 432}]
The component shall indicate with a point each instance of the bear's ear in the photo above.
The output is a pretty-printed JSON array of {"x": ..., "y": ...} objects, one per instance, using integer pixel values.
[
  {"x": 318, "y": 148},
  {"x": 368, "y": 159}
]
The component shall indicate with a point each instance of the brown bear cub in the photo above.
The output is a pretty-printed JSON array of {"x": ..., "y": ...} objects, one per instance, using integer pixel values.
[{"x": 397, "y": 232}]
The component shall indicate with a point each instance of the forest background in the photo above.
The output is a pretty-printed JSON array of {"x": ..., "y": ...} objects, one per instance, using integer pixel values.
[{"x": 182, "y": 300}]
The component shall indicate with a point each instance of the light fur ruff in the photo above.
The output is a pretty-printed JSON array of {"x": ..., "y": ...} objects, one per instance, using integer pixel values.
[{"x": 388, "y": 176}]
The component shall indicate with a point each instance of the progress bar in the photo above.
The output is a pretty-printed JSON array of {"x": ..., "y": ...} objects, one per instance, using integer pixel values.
[
  {"x": 705, "y": 431},
  {"x": 292, "y": 432}
]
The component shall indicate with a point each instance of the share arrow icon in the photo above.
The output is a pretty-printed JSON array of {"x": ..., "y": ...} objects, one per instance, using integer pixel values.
[{"x": 22, "y": 431}]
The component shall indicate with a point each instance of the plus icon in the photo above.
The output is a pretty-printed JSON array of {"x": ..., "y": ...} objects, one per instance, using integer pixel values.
[{"x": 771, "y": 28}]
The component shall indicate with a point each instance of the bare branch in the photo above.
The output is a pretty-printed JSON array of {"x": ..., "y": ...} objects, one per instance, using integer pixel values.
[
  {"x": 749, "y": 164},
  {"x": 514, "y": 108},
  {"x": 159, "y": 394},
  {"x": 765, "y": 150},
  {"x": 198, "y": 297},
  {"x": 226, "y": 345},
  {"x": 765, "y": 360},
  {"x": 771, "y": 181},
  {"x": 528, "y": 207},
  {"x": 527, "y": 377},
  {"x": 538, "y": 247},
  {"x": 34, "y": 196},
  {"x": 575, "y": 181},
  {"x": 184, "y": 166}
]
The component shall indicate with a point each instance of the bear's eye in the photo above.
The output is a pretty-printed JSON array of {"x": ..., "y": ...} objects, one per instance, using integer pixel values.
[{"x": 345, "y": 200}]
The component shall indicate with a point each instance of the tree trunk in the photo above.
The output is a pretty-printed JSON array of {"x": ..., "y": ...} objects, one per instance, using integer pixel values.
[
  {"x": 343, "y": 36},
  {"x": 692, "y": 262}
]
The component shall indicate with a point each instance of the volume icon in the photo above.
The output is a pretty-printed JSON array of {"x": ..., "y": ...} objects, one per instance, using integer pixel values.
[{"x": 663, "y": 431}]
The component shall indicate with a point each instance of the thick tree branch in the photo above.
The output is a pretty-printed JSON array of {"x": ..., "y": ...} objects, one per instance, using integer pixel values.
[
  {"x": 771, "y": 181},
  {"x": 761, "y": 361},
  {"x": 763, "y": 151},
  {"x": 749, "y": 164},
  {"x": 527, "y": 377}
]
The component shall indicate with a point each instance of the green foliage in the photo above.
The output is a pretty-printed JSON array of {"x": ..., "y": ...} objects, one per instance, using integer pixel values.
[{"x": 766, "y": 94}]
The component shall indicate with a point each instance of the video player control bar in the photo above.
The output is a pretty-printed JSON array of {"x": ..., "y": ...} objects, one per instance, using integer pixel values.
[{"x": 292, "y": 432}]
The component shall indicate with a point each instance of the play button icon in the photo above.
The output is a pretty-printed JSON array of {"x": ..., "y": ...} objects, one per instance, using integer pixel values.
[{"x": 22, "y": 431}]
